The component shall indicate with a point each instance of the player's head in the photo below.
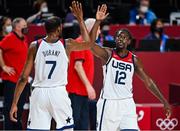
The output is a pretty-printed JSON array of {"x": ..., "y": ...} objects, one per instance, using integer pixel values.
[
  {"x": 122, "y": 38},
  {"x": 53, "y": 26},
  {"x": 89, "y": 25}
]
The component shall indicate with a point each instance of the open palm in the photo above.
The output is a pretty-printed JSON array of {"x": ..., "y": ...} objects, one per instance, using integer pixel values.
[
  {"x": 101, "y": 12},
  {"x": 76, "y": 9}
]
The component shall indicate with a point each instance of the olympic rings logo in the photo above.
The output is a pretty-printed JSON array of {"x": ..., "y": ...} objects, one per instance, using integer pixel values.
[{"x": 167, "y": 124}]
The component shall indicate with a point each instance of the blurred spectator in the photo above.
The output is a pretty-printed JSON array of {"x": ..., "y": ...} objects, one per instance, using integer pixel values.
[
  {"x": 104, "y": 35},
  {"x": 5, "y": 26},
  {"x": 70, "y": 27},
  {"x": 42, "y": 10},
  {"x": 80, "y": 79},
  {"x": 142, "y": 14},
  {"x": 13, "y": 52},
  {"x": 157, "y": 33}
]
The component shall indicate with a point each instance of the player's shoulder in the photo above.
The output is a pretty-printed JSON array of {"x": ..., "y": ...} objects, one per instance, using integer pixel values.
[{"x": 132, "y": 53}]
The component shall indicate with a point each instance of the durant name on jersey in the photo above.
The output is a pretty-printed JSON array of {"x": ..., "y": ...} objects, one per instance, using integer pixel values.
[{"x": 51, "y": 52}]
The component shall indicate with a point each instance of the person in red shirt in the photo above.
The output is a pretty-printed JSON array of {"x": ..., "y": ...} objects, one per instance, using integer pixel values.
[
  {"x": 80, "y": 79},
  {"x": 13, "y": 53}
]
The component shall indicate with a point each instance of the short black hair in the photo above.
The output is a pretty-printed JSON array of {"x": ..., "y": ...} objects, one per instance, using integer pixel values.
[
  {"x": 52, "y": 23},
  {"x": 126, "y": 31}
]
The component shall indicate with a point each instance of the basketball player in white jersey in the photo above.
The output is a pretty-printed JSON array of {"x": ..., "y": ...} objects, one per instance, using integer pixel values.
[
  {"x": 49, "y": 99},
  {"x": 116, "y": 109}
]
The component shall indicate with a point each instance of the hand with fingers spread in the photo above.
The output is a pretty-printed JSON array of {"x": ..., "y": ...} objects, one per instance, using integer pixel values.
[
  {"x": 9, "y": 70},
  {"x": 101, "y": 13},
  {"x": 76, "y": 9},
  {"x": 13, "y": 113}
]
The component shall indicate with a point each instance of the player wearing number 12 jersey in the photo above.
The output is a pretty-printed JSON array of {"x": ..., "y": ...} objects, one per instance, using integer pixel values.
[
  {"x": 116, "y": 109},
  {"x": 49, "y": 99}
]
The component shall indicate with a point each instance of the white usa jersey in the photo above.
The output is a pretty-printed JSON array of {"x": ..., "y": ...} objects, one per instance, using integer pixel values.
[
  {"x": 118, "y": 77},
  {"x": 51, "y": 64}
]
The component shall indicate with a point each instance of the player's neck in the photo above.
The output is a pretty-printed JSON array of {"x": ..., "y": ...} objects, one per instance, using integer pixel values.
[
  {"x": 122, "y": 52},
  {"x": 51, "y": 39}
]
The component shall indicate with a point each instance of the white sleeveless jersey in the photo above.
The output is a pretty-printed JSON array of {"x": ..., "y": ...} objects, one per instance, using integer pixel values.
[
  {"x": 51, "y": 64},
  {"x": 118, "y": 77}
]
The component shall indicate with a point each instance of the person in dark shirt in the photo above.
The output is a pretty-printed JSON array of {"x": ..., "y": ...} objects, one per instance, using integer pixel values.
[{"x": 157, "y": 33}]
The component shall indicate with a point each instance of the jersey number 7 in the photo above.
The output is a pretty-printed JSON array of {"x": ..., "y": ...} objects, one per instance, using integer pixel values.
[{"x": 53, "y": 63}]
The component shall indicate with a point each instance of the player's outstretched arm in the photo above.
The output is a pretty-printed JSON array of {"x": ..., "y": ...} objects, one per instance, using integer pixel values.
[
  {"x": 102, "y": 53},
  {"x": 72, "y": 45},
  {"x": 150, "y": 84},
  {"x": 22, "y": 81},
  {"x": 76, "y": 9}
]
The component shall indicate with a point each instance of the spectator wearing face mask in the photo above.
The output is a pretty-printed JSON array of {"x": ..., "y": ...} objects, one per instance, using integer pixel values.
[
  {"x": 13, "y": 53},
  {"x": 142, "y": 14},
  {"x": 41, "y": 7},
  {"x": 104, "y": 35},
  {"x": 5, "y": 26},
  {"x": 157, "y": 33}
]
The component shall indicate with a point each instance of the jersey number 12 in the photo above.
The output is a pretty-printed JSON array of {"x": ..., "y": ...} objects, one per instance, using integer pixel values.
[{"x": 120, "y": 77}]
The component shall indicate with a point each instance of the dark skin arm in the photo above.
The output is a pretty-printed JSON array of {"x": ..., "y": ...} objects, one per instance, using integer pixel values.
[
  {"x": 22, "y": 81},
  {"x": 150, "y": 84},
  {"x": 102, "y": 53},
  {"x": 72, "y": 45}
]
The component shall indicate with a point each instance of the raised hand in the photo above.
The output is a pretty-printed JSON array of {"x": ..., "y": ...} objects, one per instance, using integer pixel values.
[
  {"x": 101, "y": 13},
  {"x": 76, "y": 9}
]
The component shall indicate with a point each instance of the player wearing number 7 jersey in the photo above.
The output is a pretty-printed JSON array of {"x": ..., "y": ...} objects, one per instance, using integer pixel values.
[
  {"x": 116, "y": 109},
  {"x": 49, "y": 99}
]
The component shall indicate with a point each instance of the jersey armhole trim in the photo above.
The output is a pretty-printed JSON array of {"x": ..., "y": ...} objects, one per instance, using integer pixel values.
[
  {"x": 109, "y": 59},
  {"x": 133, "y": 61},
  {"x": 38, "y": 42}
]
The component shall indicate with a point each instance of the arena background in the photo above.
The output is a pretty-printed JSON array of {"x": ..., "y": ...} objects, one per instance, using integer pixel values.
[{"x": 162, "y": 67}]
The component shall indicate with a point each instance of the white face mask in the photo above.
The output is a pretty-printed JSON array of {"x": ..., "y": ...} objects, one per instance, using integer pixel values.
[
  {"x": 8, "y": 28},
  {"x": 143, "y": 9},
  {"x": 44, "y": 9}
]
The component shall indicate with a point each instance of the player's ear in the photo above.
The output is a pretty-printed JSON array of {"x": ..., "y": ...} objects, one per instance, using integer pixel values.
[{"x": 129, "y": 41}]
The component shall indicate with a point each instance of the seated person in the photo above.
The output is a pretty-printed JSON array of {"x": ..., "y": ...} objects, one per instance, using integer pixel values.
[
  {"x": 157, "y": 34},
  {"x": 42, "y": 12},
  {"x": 142, "y": 14}
]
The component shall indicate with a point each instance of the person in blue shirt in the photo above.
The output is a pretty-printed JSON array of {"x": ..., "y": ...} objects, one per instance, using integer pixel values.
[
  {"x": 157, "y": 33},
  {"x": 105, "y": 35},
  {"x": 142, "y": 15}
]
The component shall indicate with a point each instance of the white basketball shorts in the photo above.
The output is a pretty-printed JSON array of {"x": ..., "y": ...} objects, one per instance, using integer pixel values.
[
  {"x": 116, "y": 115},
  {"x": 48, "y": 103}
]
